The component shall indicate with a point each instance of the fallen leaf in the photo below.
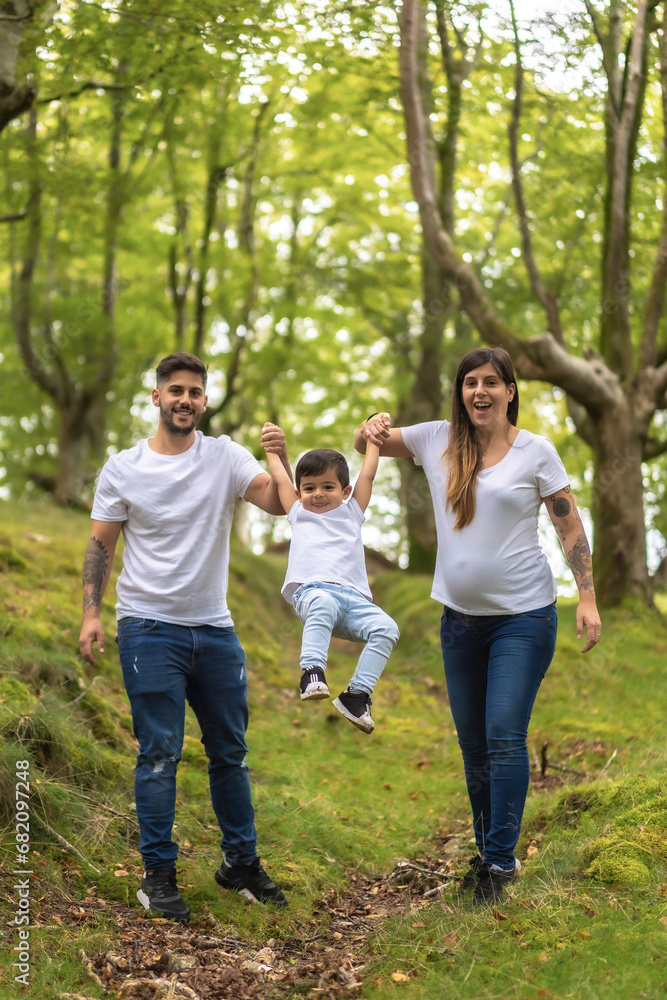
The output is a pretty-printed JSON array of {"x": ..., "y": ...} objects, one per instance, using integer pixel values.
[
  {"x": 400, "y": 977},
  {"x": 663, "y": 920},
  {"x": 498, "y": 915},
  {"x": 543, "y": 957},
  {"x": 120, "y": 872},
  {"x": 585, "y": 934},
  {"x": 451, "y": 940},
  {"x": 533, "y": 848}
]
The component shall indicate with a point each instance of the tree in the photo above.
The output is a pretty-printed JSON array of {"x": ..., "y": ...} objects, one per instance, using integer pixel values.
[{"x": 618, "y": 381}]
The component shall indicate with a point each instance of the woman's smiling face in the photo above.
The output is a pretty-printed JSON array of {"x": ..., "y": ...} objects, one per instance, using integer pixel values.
[{"x": 486, "y": 398}]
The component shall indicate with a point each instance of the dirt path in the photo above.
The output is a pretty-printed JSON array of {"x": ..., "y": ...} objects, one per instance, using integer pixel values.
[{"x": 328, "y": 958}]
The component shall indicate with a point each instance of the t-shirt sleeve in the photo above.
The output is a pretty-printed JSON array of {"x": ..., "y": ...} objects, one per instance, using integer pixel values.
[
  {"x": 550, "y": 474},
  {"x": 355, "y": 512},
  {"x": 294, "y": 511},
  {"x": 245, "y": 468},
  {"x": 108, "y": 505},
  {"x": 418, "y": 437}
]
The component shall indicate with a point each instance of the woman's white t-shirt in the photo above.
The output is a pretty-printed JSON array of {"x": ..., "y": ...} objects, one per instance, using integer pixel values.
[
  {"x": 177, "y": 512},
  {"x": 494, "y": 565},
  {"x": 326, "y": 548}
]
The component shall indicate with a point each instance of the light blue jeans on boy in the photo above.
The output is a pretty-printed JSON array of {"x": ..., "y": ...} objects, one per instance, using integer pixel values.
[{"x": 333, "y": 609}]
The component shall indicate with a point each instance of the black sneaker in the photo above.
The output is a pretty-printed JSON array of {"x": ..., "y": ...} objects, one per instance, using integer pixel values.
[
  {"x": 158, "y": 892},
  {"x": 356, "y": 707},
  {"x": 492, "y": 881},
  {"x": 313, "y": 686},
  {"x": 250, "y": 881},
  {"x": 470, "y": 877}
]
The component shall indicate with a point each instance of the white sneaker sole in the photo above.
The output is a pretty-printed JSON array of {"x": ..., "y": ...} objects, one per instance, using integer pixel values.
[
  {"x": 365, "y": 723},
  {"x": 315, "y": 692}
]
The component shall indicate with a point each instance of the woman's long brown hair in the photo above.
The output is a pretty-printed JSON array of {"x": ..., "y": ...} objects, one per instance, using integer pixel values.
[{"x": 463, "y": 455}]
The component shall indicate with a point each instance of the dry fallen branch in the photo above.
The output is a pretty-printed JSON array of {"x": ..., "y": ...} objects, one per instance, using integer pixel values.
[
  {"x": 174, "y": 988},
  {"x": 66, "y": 844},
  {"x": 603, "y": 769},
  {"x": 90, "y": 972},
  {"x": 438, "y": 888}
]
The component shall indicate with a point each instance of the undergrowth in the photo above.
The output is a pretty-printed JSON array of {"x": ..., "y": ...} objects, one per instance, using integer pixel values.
[{"x": 589, "y": 915}]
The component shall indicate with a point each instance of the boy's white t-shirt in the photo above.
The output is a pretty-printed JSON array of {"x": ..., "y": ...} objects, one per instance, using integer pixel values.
[
  {"x": 326, "y": 548},
  {"x": 177, "y": 512},
  {"x": 494, "y": 565}
]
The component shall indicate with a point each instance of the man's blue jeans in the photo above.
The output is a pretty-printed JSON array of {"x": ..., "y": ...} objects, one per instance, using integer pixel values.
[
  {"x": 494, "y": 665},
  {"x": 163, "y": 665},
  {"x": 328, "y": 609}
]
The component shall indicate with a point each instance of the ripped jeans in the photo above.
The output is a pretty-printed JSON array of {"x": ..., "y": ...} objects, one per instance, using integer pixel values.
[{"x": 163, "y": 665}]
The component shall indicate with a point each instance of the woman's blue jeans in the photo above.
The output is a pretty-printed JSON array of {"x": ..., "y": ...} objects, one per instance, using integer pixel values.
[
  {"x": 163, "y": 665},
  {"x": 494, "y": 665}
]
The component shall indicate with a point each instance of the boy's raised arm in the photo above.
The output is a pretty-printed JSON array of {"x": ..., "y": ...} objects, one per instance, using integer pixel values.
[
  {"x": 363, "y": 487},
  {"x": 279, "y": 469}
]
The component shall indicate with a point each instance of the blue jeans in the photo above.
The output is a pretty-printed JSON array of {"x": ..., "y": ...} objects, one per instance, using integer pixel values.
[
  {"x": 328, "y": 609},
  {"x": 494, "y": 665},
  {"x": 163, "y": 665}
]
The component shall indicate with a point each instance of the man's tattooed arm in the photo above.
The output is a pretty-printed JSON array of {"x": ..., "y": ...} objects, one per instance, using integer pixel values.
[
  {"x": 96, "y": 567},
  {"x": 96, "y": 572}
]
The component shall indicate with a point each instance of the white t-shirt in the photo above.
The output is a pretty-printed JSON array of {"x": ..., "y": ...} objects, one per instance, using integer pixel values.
[
  {"x": 494, "y": 565},
  {"x": 177, "y": 512},
  {"x": 326, "y": 548}
]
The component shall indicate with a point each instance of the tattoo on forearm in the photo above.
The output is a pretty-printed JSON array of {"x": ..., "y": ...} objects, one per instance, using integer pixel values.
[
  {"x": 561, "y": 506},
  {"x": 95, "y": 565},
  {"x": 579, "y": 561}
]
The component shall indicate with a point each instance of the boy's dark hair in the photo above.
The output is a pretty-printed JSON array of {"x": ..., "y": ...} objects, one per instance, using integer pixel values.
[
  {"x": 314, "y": 463},
  {"x": 181, "y": 361}
]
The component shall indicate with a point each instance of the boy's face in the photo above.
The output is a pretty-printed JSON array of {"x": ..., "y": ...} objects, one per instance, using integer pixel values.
[{"x": 323, "y": 492}]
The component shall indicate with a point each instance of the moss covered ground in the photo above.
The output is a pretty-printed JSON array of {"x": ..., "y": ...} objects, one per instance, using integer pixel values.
[{"x": 588, "y": 918}]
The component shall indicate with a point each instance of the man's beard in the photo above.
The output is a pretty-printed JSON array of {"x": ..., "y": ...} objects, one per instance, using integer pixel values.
[{"x": 179, "y": 429}]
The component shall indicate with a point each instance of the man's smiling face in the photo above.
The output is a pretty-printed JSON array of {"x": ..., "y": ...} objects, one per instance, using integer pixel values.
[{"x": 182, "y": 401}]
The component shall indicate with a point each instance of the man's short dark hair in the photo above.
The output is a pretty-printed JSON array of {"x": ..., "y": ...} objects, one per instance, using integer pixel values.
[
  {"x": 178, "y": 362},
  {"x": 314, "y": 463}
]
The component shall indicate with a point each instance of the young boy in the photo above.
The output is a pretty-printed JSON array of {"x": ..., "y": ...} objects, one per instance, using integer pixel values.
[{"x": 326, "y": 577}]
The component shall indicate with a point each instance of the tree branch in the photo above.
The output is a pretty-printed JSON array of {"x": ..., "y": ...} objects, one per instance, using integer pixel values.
[
  {"x": 545, "y": 296},
  {"x": 656, "y": 295},
  {"x": 592, "y": 384}
]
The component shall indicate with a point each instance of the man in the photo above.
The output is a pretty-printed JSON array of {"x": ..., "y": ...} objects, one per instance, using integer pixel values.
[{"x": 173, "y": 498}]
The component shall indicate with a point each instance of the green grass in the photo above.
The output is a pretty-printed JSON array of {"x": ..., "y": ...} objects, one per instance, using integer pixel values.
[{"x": 589, "y": 918}]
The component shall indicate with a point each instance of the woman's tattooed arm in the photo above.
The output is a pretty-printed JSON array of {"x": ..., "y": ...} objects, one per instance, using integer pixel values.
[{"x": 567, "y": 522}]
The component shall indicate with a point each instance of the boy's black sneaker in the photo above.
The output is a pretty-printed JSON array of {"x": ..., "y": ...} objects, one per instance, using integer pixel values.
[
  {"x": 492, "y": 882},
  {"x": 250, "y": 881},
  {"x": 356, "y": 707},
  {"x": 159, "y": 892},
  {"x": 470, "y": 877},
  {"x": 313, "y": 686}
]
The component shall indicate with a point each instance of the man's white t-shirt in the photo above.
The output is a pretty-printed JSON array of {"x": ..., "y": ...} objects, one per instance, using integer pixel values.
[
  {"x": 494, "y": 565},
  {"x": 326, "y": 548},
  {"x": 177, "y": 512}
]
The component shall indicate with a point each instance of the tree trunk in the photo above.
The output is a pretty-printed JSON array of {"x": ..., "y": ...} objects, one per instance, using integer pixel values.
[
  {"x": 72, "y": 440},
  {"x": 619, "y": 549},
  {"x": 15, "y": 98}
]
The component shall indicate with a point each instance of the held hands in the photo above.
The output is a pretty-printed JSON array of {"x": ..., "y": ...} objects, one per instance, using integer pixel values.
[
  {"x": 273, "y": 439},
  {"x": 589, "y": 619},
  {"x": 376, "y": 429}
]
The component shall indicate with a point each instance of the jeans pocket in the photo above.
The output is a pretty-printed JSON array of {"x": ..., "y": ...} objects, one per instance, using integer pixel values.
[{"x": 135, "y": 626}]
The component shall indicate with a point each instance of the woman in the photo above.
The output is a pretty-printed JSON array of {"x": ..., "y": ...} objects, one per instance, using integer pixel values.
[{"x": 488, "y": 480}]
